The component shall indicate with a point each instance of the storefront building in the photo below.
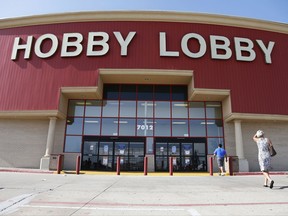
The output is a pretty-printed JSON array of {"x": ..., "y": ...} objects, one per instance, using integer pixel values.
[{"x": 104, "y": 85}]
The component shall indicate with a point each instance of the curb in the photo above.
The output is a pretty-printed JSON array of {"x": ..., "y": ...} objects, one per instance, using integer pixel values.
[
  {"x": 259, "y": 173},
  {"x": 26, "y": 171}
]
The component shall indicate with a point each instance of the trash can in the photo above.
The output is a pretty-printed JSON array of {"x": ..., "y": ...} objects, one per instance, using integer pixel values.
[{"x": 54, "y": 161}]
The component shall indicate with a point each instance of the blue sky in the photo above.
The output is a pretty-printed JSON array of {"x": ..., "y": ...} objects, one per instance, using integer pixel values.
[{"x": 271, "y": 10}]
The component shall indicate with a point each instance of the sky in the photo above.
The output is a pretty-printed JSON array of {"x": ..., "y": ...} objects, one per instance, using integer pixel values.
[{"x": 269, "y": 10}]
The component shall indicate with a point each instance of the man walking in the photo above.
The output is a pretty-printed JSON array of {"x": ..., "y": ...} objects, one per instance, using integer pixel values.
[{"x": 221, "y": 154}]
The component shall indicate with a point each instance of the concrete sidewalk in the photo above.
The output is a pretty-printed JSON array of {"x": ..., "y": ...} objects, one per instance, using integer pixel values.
[{"x": 68, "y": 194}]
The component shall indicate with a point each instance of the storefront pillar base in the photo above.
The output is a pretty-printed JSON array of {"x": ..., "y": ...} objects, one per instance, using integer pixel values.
[
  {"x": 243, "y": 165},
  {"x": 151, "y": 167},
  {"x": 45, "y": 163}
]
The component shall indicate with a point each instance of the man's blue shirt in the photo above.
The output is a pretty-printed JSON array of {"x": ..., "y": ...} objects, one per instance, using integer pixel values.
[{"x": 220, "y": 152}]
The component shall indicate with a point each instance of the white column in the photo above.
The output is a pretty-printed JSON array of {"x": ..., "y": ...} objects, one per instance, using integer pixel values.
[
  {"x": 50, "y": 137},
  {"x": 45, "y": 160},
  {"x": 243, "y": 163},
  {"x": 238, "y": 139}
]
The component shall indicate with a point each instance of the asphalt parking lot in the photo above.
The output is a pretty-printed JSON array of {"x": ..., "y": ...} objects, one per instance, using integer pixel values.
[{"x": 70, "y": 194}]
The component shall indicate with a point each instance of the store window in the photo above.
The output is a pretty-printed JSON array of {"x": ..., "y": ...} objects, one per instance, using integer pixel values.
[
  {"x": 180, "y": 128},
  {"x": 144, "y": 111},
  {"x": 76, "y": 108},
  {"x": 179, "y": 110},
  {"x": 92, "y": 126},
  {"x": 74, "y": 125},
  {"x": 213, "y": 144},
  {"x": 73, "y": 143},
  {"x": 214, "y": 127},
  {"x": 109, "y": 127},
  {"x": 162, "y": 127},
  {"x": 196, "y": 110},
  {"x": 145, "y": 92},
  {"x": 213, "y": 110},
  {"x": 127, "y": 127},
  {"x": 145, "y": 127},
  {"x": 93, "y": 108},
  {"x": 128, "y": 92},
  {"x": 179, "y": 93},
  {"x": 110, "y": 108},
  {"x": 111, "y": 92},
  {"x": 162, "y": 92},
  {"x": 127, "y": 108},
  {"x": 197, "y": 128},
  {"x": 162, "y": 109}
]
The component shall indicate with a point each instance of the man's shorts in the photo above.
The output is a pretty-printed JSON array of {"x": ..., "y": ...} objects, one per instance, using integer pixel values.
[{"x": 220, "y": 162}]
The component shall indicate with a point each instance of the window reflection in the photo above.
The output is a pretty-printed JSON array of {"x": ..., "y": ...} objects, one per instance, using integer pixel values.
[
  {"x": 76, "y": 108},
  {"x": 162, "y": 109},
  {"x": 73, "y": 143},
  {"x": 145, "y": 109},
  {"x": 74, "y": 125},
  {"x": 196, "y": 110},
  {"x": 213, "y": 110},
  {"x": 128, "y": 109},
  {"x": 197, "y": 127},
  {"x": 180, "y": 128},
  {"x": 110, "y": 126},
  {"x": 145, "y": 127},
  {"x": 136, "y": 148},
  {"x": 93, "y": 108},
  {"x": 214, "y": 127},
  {"x": 162, "y": 127},
  {"x": 126, "y": 127},
  {"x": 92, "y": 126},
  {"x": 179, "y": 110},
  {"x": 110, "y": 108}
]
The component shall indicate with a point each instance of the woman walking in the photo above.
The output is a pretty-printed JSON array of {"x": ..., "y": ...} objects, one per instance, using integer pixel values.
[{"x": 264, "y": 157}]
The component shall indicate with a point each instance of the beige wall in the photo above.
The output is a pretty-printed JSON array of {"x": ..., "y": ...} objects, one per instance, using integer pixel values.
[
  {"x": 22, "y": 142},
  {"x": 277, "y": 132}
]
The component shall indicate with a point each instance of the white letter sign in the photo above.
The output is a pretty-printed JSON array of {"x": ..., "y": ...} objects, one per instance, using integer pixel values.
[
  {"x": 102, "y": 43},
  {"x": 66, "y": 43}
]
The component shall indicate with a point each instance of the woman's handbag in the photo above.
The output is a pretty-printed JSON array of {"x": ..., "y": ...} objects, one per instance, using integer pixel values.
[{"x": 272, "y": 151}]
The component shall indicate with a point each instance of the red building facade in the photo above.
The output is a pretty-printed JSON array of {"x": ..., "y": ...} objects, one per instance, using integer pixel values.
[{"x": 47, "y": 60}]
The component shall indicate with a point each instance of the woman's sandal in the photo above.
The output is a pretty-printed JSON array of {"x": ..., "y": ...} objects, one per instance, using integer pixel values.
[{"x": 265, "y": 185}]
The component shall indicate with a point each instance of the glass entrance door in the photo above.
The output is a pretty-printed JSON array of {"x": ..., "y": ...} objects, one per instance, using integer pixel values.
[
  {"x": 188, "y": 154},
  {"x": 100, "y": 153}
]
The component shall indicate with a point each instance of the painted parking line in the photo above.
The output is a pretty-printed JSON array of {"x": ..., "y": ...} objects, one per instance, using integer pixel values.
[
  {"x": 36, "y": 203},
  {"x": 192, "y": 212}
]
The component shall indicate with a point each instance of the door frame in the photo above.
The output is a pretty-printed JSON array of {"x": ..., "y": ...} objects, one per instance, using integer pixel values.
[
  {"x": 178, "y": 159},
  {"x": 97, "y": 166}
]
